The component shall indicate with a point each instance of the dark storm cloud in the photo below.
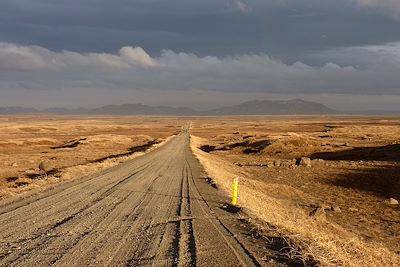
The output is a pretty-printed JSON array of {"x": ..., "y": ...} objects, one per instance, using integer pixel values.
[
  {"x": 283, "y": 29},
  {"x": 58, "y": 49}
]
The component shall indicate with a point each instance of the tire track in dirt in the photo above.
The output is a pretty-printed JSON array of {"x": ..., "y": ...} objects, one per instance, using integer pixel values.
[
  {"x": 61, "y": 202},
  {"x": 149, "y": 211},
  {"x": 243, "y": 256},
  {"x": 63, "y": 218},
  {"x": 112, "y": 218},
  {"x": 44, "y": 238}
]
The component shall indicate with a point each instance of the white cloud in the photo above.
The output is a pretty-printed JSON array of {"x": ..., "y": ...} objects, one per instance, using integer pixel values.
[
  {"x": 136, "y": 55},
  {"x": 15, "y": 57},
  {"x": 32, "y": 67}
]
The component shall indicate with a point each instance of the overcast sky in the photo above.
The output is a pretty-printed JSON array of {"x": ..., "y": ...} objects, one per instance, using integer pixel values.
[{"x": 201, "y": 54}]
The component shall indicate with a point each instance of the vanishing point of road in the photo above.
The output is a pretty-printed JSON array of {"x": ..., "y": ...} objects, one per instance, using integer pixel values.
[{"x": 156, "y": 210}]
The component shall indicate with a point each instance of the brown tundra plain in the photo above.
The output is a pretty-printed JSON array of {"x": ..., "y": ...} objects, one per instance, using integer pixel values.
[
  {"x": 319, "y": 190},
  {"x": 70, "y": 147}
]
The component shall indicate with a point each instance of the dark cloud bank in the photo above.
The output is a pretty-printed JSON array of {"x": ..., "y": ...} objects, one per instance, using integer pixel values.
[{"x": 345, "y": 53}]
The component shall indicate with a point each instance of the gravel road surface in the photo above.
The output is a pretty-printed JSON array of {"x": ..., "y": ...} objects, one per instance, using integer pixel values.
[{"x": 155, "y": 210}]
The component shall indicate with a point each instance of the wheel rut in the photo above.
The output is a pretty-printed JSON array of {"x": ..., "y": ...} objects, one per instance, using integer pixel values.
[{"x": 150, "y": 211}]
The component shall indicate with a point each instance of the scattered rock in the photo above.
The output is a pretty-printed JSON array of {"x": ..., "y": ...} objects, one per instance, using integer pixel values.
[
  {"x": 270, "y": 164},
  {"x": 336, "y": 209},
  {"x": 326, "y": 207},
  {"x": 319, "y": 214},
  {"x": 291, "y": 164},
  {"x": 286, "y": 164},
  {"x": 277, "y": 163},
  {"x": 353, "y": 209},
  {"x": 318, "y": 161},
  {"x": 305, "y": 162},
  {"x": 211, "y": 182},
  {"x": 43, "y": 166},
  {"x": 393, "y": 202},
  {"x": 14, "y": 164}
]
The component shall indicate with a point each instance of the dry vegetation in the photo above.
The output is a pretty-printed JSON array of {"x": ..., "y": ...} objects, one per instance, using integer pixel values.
[
  {"x": 334, "y": 206},
  {"x": 70, "y": 147}
]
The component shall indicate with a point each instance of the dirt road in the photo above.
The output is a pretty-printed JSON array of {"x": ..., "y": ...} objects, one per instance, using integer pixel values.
[{"x": 155, "y": 210}]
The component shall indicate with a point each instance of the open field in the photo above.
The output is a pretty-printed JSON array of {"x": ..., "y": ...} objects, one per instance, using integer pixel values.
[
  {"x": 337, "y": 202},
  {"x": 319, "y": 187},
  {"x": 71, "y": 147},
  {"x": 154, "y": 210}
]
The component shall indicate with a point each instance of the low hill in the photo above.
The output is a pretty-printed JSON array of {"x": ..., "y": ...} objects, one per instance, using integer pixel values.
[
  {"x": 268, "y": 107},
  {"x": 140, "y": 109},
  {"x": 255, "y": 107},
  {"x": 17, "y": 110}
]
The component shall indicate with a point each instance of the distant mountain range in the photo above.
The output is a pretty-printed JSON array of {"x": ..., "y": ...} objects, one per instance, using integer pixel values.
[
  {"x": 268, "y": 107},
  {"x": 17, "y": 110},
  {"x": 255, "y": 107}
]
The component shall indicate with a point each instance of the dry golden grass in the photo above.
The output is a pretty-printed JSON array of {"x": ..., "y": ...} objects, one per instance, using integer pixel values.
[
  {"x": 277, "y": 196},
  {"x": 324, "y": 241},
  {"x": 25, "y": 141},
  {"x": 279, "y": 200}
]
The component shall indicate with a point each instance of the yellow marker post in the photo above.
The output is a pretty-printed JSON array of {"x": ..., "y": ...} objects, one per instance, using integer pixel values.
[{"x": 235, "y": 191}]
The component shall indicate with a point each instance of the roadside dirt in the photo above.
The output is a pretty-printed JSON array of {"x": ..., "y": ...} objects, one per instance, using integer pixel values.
[
  {"x": 155, "y": 210},
  {"x": 353, "y": 170},
  {"x": 163, "y": 209},
  {"x": 70, "y": 147}
]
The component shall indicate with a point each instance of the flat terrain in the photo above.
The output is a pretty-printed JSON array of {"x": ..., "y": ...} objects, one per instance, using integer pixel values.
[
  {"x": 122, "y": 191},
  {"x": 155, "y": 210},
  {"x": 353, "y": 171},
  {"x": 71, "y": 147}
]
